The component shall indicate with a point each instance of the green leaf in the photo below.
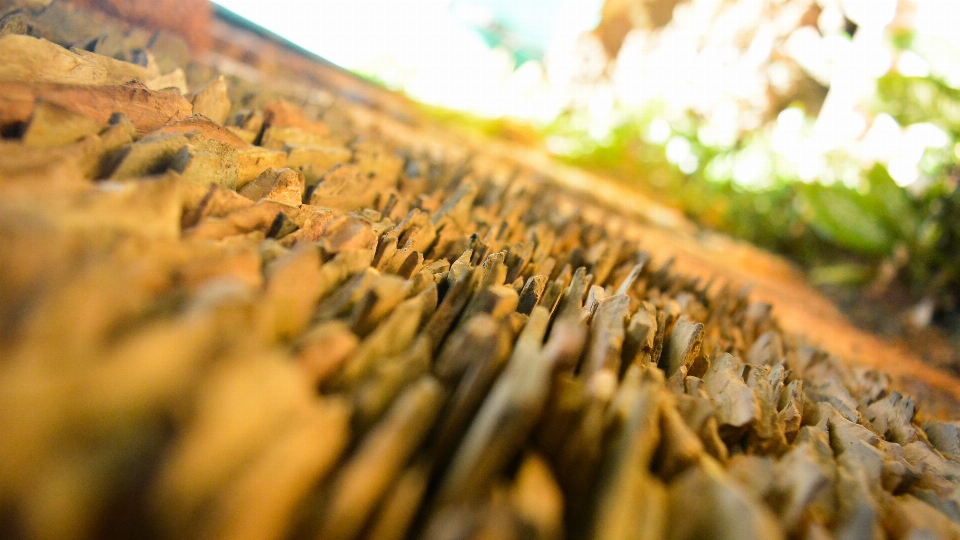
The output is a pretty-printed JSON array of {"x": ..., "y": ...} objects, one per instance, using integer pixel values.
[
  {"x": 837, "y": 216},
  {"x": 892, "y": 203},
  {"x": 841, "y": 274}
]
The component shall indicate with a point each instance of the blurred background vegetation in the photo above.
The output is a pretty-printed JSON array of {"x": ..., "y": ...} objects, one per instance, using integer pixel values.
[
  {"x": 851, "y": 170},
  {"x": 824, "y": 130}
]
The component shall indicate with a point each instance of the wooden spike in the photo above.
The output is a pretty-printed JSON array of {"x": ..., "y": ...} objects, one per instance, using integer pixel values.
[{"x": 366, "y": 478}]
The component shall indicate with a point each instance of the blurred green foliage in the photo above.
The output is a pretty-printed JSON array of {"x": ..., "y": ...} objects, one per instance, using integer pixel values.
[
  {"x": 874, "y": 234},
  {"x": 920, "y": 99}
]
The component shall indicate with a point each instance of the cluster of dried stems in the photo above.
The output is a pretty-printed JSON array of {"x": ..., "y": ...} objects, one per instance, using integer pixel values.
[{"x": 226, "y": 321}]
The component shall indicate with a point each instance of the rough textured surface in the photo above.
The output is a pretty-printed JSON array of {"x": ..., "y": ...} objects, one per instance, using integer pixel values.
[
  {"x": 187, "y": 18},
  {"x": 318, "y": 320}
]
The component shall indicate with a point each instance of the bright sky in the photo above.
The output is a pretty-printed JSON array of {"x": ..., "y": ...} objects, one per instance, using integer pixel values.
[{"x": 426, "y": 47}]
